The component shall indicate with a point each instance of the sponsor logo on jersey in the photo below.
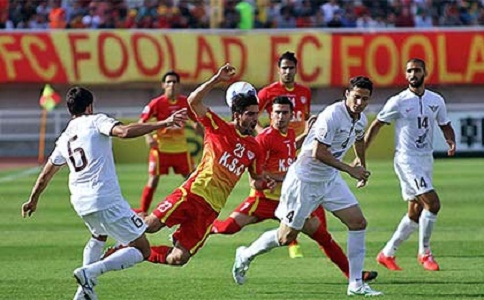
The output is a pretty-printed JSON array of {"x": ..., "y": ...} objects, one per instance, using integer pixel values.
[{"x": 433, "y": 107}]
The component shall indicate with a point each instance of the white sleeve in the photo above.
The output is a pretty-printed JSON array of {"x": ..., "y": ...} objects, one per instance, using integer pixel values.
[
  {"x": 325, "y": 127},
  {"x": 390, "y": 111},
  {"x": 105, "y": 124},
  {"x": 56, "y": 158},
  {"x": 442, "y": 118}
]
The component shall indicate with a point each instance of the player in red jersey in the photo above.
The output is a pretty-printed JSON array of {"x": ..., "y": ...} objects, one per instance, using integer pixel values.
[
  {"x": 279, "y": 143},
  {"x": 300, "y": 96},
  {"x": 229, "y": 149},
  {"x": 168, "y": 147}
]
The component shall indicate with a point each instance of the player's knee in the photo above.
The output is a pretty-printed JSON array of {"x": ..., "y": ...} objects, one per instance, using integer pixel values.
[
  {"x": 358, "y": 223},
  {"x": 178, "y": 257},
  {"x": 287, "y": 237}
]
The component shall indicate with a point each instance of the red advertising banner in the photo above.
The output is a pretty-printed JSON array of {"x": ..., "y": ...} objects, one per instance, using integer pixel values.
[{"x": 325, "y": 58}]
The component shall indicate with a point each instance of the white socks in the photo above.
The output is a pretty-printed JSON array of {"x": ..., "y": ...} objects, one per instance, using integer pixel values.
[
  {"x": 267, "y": 241},
  {"x": 427, "y": 221},
  {"x": 356, "y": 256},
  {"x": 403, "y": 232},
  {"x": 92, "y": 251},
  {"x": 121, "y": 259}
]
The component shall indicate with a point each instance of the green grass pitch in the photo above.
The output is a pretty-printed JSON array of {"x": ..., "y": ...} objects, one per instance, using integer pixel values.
[{"x": 38, "y": 255}]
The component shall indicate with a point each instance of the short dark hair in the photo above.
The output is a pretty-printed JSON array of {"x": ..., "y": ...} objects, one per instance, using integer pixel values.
[
  {"x": 171, "y": 73},
  {"x": 361, "y": 82},
  {"x": 240, "y": 102},
  {"x": 283, "y": 100},
  {"x": 419, "y": 61},
  {"x": 288, "y": 56},
  {"x": 78, "y": 99}
]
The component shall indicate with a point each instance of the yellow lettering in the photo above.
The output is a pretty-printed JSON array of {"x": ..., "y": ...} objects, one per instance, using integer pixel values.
[
  {"x": 444, "y": 74},
  {"x": 426, "y": 45},
  {"x": 348, "y": 61},
  {"x": 475, "y": 63},
  {"x": 372, "y": 58},
  {"x": 27, "y": 43},
  {"x": 9, "y": 56}
]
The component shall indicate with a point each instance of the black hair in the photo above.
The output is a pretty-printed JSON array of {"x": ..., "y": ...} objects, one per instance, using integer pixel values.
[
  {"x": 288, "y": 56},
  {"x": 240, "y": 102},
  {"x": 283, "y": 100},
  {"x": 419, "y": 61},
  {"x": 171, "y": 73},
  {"x": 361, "y": 82},
  {"x": 78, "y": 99}
]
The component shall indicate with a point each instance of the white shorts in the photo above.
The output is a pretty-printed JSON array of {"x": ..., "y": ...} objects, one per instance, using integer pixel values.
[
  {"x": 415, "y": 175},
  {"x": 299, "y": 199},
  {"x": 118, "y": 222}
]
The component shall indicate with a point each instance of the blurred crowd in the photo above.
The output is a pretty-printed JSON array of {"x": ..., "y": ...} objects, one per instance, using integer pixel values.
[{"x": 78, "y": 14}]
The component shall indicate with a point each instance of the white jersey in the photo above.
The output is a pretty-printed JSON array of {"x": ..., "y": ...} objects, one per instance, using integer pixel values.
[
  {"x": 335, "y": 128},
  {"x": 414, "y": 120},
  {"x": 85, "y": 145}
]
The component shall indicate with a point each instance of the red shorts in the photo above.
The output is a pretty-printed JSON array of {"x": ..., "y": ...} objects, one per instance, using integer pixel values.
[
  {"x": 259, "y": 207},
  {"x": 264, "y": 209},
  {"x": 160, "y": 163},
  {"x": 194, "y": 215}
]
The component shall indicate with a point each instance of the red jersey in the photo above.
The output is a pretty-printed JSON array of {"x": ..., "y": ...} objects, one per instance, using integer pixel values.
[
  {"x": 279, "y": 152},
  {"x": 226, "y": 155},
  {"x": 170, "y": 140},
  {"x": 300, "y": 96}
]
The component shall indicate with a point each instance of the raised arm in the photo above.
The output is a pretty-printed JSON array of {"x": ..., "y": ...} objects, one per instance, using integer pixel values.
[
  {"x": 449, "y": 136},
  {"x": 49, "y": 170},
  {"x": 195, "y": 99},
  {"x": 138, "y": 129}
]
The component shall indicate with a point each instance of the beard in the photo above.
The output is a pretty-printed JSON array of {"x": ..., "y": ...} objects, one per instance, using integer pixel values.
[{"x": 418, "y": 83}]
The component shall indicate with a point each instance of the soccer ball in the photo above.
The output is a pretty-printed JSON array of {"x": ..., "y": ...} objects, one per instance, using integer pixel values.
[{"x": 239, "y": 87}]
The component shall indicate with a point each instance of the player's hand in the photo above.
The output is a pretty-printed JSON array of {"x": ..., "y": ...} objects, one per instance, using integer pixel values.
[
  {"x": 226, "y": 72},
  {"x": 178, "y": 118},
  {"x": 28, "y": 208},
  {"x": 359, "y": 173},
  {"x": 451, "y": 150}
]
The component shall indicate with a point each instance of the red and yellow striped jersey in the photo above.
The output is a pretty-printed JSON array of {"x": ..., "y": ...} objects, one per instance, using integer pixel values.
[
  {"x": 170, "y": 140},
  {"x": 300, "y": 96},
  {"x": 280, "y": 153},
  {"x": 226, "y": 155}
]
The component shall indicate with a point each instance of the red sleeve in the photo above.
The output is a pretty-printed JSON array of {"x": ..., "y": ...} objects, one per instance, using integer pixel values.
[
  {"x": 148, "y": 111},
  {"x": 212, "y": 122},
  {"x": 262, "y": 95},
  {"x": 264, "y": 141},
  {"x": 257, "y": 165}
]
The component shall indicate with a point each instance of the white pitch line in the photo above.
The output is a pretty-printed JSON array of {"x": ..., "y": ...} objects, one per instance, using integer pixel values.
[{"x": 20, "y": 174}]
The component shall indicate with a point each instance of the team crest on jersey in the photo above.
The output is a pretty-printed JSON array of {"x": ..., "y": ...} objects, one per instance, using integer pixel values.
[
  {"x": 303, "y": 100},
  {"x": 433, "y": 107},
  {"x": 250, "y": 154},
  {"x": 146, "y": 109}
]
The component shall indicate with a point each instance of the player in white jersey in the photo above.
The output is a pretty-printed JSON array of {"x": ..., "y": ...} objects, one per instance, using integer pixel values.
[
  {"x": 85, "y": 146},
  {"x": 415, "y": 111},
  {"x": 314, "y": 180}
]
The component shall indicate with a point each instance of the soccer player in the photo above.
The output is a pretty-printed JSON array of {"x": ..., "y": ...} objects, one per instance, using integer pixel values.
[
  {"x": 415, "y": 111},
  {"x": 229, "y": 149},
  {"x": 168, "y": 147},
  {"x": 85, "y": 146},
  {"x": 314, "y": 180},
  {"x": 279, "y": 143},
  {"x": 300, "y": 96}
]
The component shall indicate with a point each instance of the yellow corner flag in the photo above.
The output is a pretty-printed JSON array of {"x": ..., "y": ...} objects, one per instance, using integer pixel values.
[{"x": 49, "y": 98}]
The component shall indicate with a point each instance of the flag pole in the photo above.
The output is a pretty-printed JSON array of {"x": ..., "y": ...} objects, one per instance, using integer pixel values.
[{"x": 43, "y": 121}]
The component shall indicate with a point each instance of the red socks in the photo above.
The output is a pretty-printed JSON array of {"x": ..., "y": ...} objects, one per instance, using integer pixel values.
[
  {"x": 158, "y": 254},
  {"x": 332, "y": 250},
  {"x": 146, "y": 198},
  {"x": 228, "y": 226}
]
